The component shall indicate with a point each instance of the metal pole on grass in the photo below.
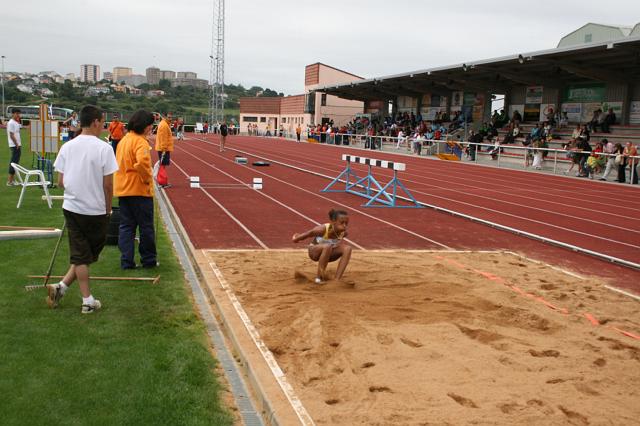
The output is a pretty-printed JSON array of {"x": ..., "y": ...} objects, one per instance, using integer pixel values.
[
  {"x": 555, "y": 161},
  {"x": 2, "y": 80}
]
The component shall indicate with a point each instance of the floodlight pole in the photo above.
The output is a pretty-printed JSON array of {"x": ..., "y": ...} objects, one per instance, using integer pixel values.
[
  {"x": 216, "y": 72},
  {"x": 2, "y": 80}
]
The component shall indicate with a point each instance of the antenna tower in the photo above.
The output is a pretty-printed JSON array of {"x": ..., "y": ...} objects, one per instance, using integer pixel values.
[{"x": 216, "y": 72}]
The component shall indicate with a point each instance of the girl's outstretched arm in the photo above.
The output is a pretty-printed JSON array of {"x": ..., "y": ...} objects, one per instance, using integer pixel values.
[{"x": 318, "y": 231}]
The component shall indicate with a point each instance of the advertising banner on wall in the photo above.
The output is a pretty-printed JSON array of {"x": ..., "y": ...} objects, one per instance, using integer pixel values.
[
  {"x": 478, "y": 108},
  {"x": 634, "y": 112},
  {"x": 456, "y": 99},
  {"x": 469, "y": 99},
  {"x": 585, "y": 93},
  {"x": 531, "y": 112},
  {"x": 574, "y": 111},
  {"x": 546, "y": 109},
  {"x": 533, "y": 95}
]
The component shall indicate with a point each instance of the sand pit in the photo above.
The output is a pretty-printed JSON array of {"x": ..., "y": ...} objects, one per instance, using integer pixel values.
[{"x": 444, "y": 338}]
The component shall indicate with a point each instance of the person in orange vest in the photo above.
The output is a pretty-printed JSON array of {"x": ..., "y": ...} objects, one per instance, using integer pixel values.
[
  {"x": 164, "y": 142},
  {"x": 133, "y": 185},
  {"x": 116, "y": 132}
]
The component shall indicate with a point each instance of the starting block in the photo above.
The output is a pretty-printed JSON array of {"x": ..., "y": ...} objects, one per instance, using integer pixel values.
[
  {"x": 369, "y": 187},
  {"x": 194, "y": 181},
  {"x": 241, "y": 160},
  {"x": 257, "y": 183}
]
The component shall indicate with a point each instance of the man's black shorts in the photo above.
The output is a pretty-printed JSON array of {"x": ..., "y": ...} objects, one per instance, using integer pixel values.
[{"x": 87, "y": 235}]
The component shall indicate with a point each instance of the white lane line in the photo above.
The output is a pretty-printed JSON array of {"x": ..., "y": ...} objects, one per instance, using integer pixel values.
[
  {"x": 428, "y": 175},
  {"x": 538, "y": 262},
  {"x": 277, "y": 372},
  {"x": 358, "y": 246},
  {"x": 626, "y": 293},
  {"x": 227, "y": 212},
  {"x": 472, "y": 218},
  {"x": 434, "y": 186},
  {"x": 422, "y": 237},
  {"x": 482, "y": 208}
]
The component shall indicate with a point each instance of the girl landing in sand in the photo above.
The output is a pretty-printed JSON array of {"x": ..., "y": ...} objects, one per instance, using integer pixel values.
[{"x": 327, "y": 245}]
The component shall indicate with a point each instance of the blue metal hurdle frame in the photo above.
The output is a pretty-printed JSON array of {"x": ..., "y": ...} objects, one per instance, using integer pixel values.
[{"x": 371, "y": 189}]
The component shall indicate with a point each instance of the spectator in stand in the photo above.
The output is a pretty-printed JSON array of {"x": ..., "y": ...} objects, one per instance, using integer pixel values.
[
  {"x": 533, "y": 135},
  {"x": 608, "y": 148},
  {"x": 417, "y": 144},
  {"x": 563, "y": 120},
  {"x": 495, "y": 150},
  {"x": 572, "y": 155},
  {"x": 547, "y": 132},
  {"x": 585, "y": 133},
  {"x": 576, "y": 133},
  {"x": 595, "y": 120},
  {"x": 474, "y": 140},
  {"x": 512, "y": 133},
  {"x": 620, "y": 162},
  {"x": 595, "y": 162},
  {"x": 585, "y": 151},
  {"x": 551, "y": 116},
  {"x": 609, "y": 120},
  {"x": 400, "y": 139},
  {"x": 516, "y": 118},
  {"x": 631, "y": 151},
  {"x": 116, "y": 132}
]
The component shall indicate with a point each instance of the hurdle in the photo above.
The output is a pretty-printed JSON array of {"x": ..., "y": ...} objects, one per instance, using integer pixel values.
[
  {"x": 194, "y": 182},
  {"x": 369, "y": 187}
]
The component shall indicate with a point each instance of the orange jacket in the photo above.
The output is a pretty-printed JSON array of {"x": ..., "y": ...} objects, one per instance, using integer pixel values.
[
  {"x": 116, "y": 130},
  {"x": 134, "y": 176},
  {"x": 164, "y": 138}
]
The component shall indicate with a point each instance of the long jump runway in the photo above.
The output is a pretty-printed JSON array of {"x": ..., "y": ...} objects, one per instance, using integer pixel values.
[{"x": 440, "y": 319}]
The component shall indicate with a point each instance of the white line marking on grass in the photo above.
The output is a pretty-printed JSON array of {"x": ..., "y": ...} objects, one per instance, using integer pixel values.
[{"x": 277, "y": 372}]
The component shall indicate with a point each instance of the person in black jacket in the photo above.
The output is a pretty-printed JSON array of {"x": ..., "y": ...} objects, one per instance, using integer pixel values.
[
  {"x": 609, "y": 119},
  {"x": 224, "y": 131}
]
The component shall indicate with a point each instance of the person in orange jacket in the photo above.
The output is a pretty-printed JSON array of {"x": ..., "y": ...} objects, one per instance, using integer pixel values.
[
  {"x": 164, "y": 142},
  {"x": 116, "y": 132},
  {"x": 133, "y": 185}
]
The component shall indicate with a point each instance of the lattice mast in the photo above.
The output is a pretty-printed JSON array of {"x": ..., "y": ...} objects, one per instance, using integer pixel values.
[{"x": 216, "y": 73}]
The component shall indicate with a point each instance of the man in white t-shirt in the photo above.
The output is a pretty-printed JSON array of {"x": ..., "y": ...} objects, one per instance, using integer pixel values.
[
  {"x": 85, "y": 166},
  {"x": 15, "y": 144}
]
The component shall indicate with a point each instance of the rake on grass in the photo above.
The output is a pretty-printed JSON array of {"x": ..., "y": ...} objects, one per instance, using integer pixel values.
[
  {"x": 153, "y": 280},
  {"x": 53, "y": 260}
]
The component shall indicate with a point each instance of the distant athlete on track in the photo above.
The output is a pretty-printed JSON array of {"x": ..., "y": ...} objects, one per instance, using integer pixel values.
[{"x": 327, "y": 244}]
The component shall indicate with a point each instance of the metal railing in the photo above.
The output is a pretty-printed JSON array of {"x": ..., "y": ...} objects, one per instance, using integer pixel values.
[{"x": 555, "y": 161}]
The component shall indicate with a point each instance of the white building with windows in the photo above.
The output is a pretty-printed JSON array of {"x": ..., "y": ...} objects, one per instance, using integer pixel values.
[{"x": 89, "y": 73}]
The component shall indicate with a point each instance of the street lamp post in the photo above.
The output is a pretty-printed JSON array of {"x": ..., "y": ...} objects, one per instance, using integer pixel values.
[{"x": 2, "y": 81}]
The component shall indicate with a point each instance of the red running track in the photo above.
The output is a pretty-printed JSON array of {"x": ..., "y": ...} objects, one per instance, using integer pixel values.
[{"x": 574, "y": 211}]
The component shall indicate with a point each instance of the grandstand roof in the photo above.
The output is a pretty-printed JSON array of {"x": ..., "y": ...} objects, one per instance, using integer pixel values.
[{"x": 615, "y": 61}]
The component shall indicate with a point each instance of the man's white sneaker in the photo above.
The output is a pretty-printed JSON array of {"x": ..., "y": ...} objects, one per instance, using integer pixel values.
[
  {"x": 87, "y": 309},
  {"x": 55, "y": 294}
]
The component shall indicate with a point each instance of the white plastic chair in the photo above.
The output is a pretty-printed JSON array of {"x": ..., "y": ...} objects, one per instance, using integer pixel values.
[
  {"x": 199, "y": 128},
  {"x": 23, "y": 177}
]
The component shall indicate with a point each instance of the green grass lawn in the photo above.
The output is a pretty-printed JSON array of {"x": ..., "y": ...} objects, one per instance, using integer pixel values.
[{"x": 142, "y": 359}]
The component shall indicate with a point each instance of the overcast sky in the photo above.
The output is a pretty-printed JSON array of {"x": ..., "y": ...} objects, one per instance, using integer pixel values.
[{"x": 268, "y": 43}]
